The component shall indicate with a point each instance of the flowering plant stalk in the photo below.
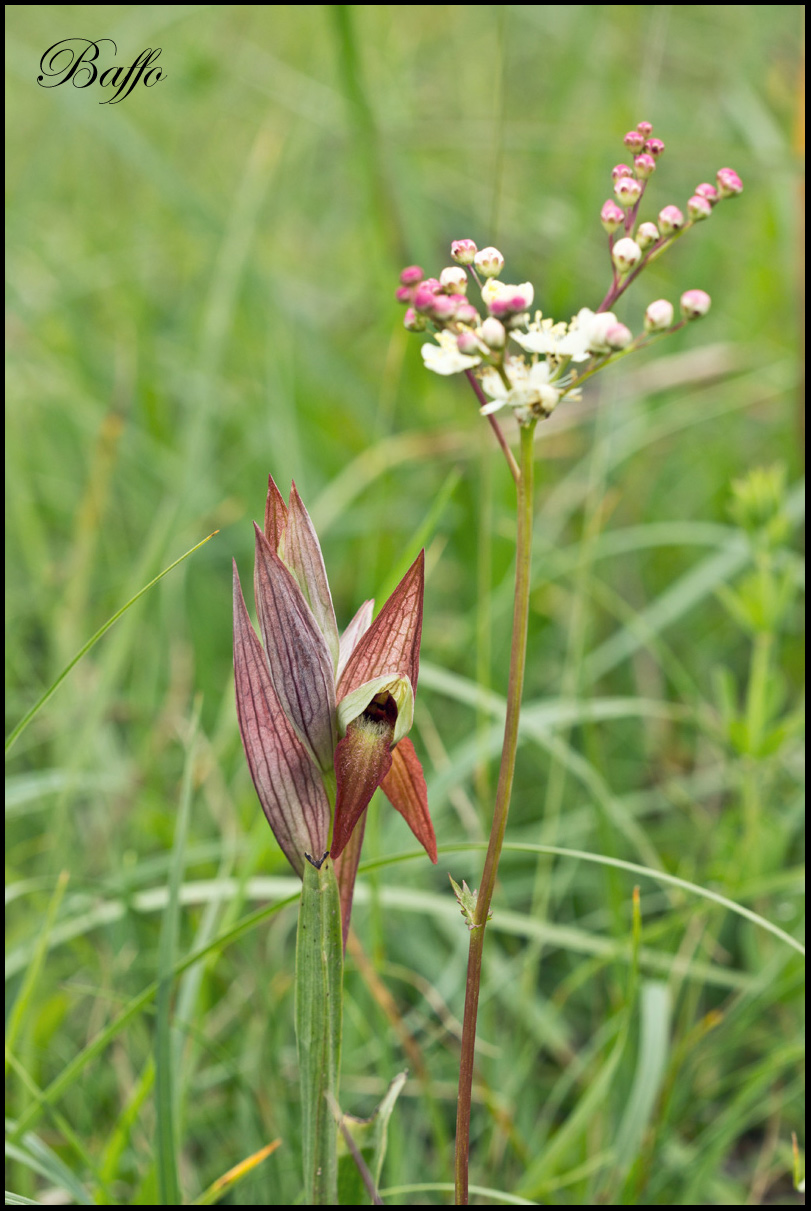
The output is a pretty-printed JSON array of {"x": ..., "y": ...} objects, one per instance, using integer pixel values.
[
  {"x": 323, "y": 719},
  {"x": 531, "y": 383}
]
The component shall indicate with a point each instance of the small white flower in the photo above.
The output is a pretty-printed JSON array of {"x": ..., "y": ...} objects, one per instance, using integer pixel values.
[
  {"x": 551, "y": 339},
  {"x": 445, "y": 358},
  {"x": 529, "y": 388},
  {"x": 492, "y": 290},
  {"x": 591, "y": 331}
]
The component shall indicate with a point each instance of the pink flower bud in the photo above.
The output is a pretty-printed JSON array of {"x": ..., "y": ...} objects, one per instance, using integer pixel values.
[
  {"x": 658, "y": 316},
  {"x": 469, "y": 344},
  {"x": 444, "y": 308},
  {"x": 411, "y": 276},
  {"x": 454, "y": 279},
  {"x": 433, "y": 284},
  {"x": 670, "y": 219},
  {"x": 500, "y": 306},
  {"x": 424, "y": 298},
  {"x": 618, "y": 336},
  {"x": 625, "y": 254},
  {"x": 466, "y": 313},
  {"x": 489, "y": 262},
  {"x": 694, "y": 304},
  {"x": 699, "y": 208},
  {"x": 463, "y": 251},
  {"x": 494, "y": 334},
  {"x": 404, "y": 294},
  {"x": 707, "y": 191},
  {"x": 414, "y": 322},
  {"x": 644, "y": 166},
  {"x": 646, "y": 235},
  {"x": 654, "y": 147},
  {"x": 621, "y": 170},
  {"x": 645, "y": 128},
  {"x": 612, "y": 216},
  {"x": 634, "y": 141},
  {"x": 729, "y": 183},
  {"x": 627, "y": 191}
]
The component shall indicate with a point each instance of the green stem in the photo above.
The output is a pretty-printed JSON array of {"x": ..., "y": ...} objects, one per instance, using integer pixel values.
[
  {"x": 319, "y": 978},
  {"x": 518, "y": 656}
]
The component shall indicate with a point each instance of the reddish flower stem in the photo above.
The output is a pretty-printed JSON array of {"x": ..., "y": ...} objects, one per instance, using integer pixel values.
[
  {"x": 518, "y": 657},
  {"x": 495, "y": 426}
]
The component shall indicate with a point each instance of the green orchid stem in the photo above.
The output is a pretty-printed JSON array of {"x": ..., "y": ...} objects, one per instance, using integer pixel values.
[
  {"x": 319, "y": 979},
  {"x": 518, "y": 658}
]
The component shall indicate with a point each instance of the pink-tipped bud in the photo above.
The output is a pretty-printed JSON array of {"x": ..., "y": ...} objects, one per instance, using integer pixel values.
[
  {"x": 444, "y": 308},
  {"x": 729, "y": 183},
  {"x": 521, "y": 297},
  {"x": 658, "y": 316},
  {"x": 618, "y": 336},
  {"x": 494, "y": 333},
  {"x": 634, "y": 141},
  {"x": 500, "y": 306},
  {"x": 612, "y": 216},
  {"x": 489, "y": 262},
  {"x": 699, "y": 208},
  {"x": 469, "y": 344},
  {"x": 466, "y": 313},
  {"x": 646, "y": 235},
  {"x": 411, "y": 276},
  {"x": 621, "y": 170},
  {"x": 463, "y": 251},
  {"x": 628, "y": 191},
  {"x": 705, "y": 190},
  {"x": 414, "y": 322},
  {"x": 626, "y": 254},
  {"x": 404, "y": 294},
  {"x": 645, "y": 128},
  {"x": 644, "y": 166},
  {"x": 424, "y": 298},
  {"x": 454, "y": 279},
  {"x": 694, "y": 304},
  {"x": 654, "y": 147},
  {"x": 670, "y": 219}
]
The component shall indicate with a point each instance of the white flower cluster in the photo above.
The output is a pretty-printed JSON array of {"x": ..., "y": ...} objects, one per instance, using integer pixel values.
[{"x": 530, "y": 387}]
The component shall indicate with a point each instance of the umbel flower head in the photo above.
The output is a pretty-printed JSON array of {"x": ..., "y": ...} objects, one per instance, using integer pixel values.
[
  {"x": 475, "y": 338},
  {"x": 323, "y": 717}
]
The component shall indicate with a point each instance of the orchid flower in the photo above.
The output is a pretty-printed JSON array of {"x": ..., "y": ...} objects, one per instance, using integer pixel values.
[{"x": 323, "y": 717}]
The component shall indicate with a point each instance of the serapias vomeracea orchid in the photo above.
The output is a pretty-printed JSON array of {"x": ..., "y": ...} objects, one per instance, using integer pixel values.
[{"x": 323, "y": 717}]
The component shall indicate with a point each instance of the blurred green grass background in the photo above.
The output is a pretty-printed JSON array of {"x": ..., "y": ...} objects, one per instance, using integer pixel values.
[{"x": 200, "y": 291}]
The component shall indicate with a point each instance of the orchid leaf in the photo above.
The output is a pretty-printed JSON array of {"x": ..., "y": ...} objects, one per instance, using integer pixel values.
[
  {"x": 300, "y": 551},
  {"x": 349, "y": 639},
  {"x": 288, "y": 785},
  {"x": 392, "y": 643},
  {"x": 404, "y": 787},
  {"x": 346, "y": 870},
  {"x": 300, "y": 664},
  {"x": 275, "y": 515}
]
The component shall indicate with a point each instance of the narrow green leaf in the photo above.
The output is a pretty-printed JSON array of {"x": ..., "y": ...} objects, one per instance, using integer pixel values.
[
  {"x": 370, "y": 1137},
  {"x": 319, "y": 977},
  {"x": 26, "y": 992},
  {"x": 165, "y": 1046},
  {"x": 39, "y": 704},
  {"x": 654, "y": 1046}
]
